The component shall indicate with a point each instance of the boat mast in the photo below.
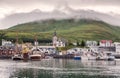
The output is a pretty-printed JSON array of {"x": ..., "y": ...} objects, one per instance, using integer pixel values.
[
  {"x": 36, "y": 41},
  {"x": 16, "y": 43}
]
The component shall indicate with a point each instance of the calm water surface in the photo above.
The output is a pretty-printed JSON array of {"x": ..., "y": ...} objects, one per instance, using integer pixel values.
[{"x": 58, "y": 68}]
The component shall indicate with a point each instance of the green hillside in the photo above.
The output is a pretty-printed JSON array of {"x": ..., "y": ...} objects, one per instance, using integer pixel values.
[{"x": 69, "y": 29}]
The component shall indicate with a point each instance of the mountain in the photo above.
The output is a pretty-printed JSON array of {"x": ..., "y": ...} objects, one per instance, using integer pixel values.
[
  {"x": 70, "y": 29},
  {"x": 63, "y": 12}
]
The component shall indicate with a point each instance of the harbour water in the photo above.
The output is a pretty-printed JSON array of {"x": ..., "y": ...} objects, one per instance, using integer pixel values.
[{"x": 59, "y": 68}]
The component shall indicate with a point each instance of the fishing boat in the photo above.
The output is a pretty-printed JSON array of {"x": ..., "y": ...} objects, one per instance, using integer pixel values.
[
  {"x": 17, "y": 57},
  {"x": 106, "y": 56},
  {"x": 77, "y": 57},
  {"x": 25, "y": 51},
  {"x": 101, "y": 56},
  {"x": 84, "y": 57},
  {"x": 91, "y": 56},
  {"x": 110, "y": 57},
  {"x": 17, "y": 54},
  {"x": 35, "y": 56},
  {"x": 117, "y": 55}
]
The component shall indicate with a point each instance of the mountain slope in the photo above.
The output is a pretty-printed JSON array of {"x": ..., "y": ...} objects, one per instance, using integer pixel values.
[{"x": 71, "y": 29}]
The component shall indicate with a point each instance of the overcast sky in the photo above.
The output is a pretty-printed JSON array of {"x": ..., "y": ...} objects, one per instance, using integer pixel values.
[
  {"x": 13, "y": 6},
  {"x": 9, "y": 7}
]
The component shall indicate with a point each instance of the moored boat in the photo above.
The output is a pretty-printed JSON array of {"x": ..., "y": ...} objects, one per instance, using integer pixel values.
[
  {"x": 116, "y": 55},
  {"x": 110, "y": 57},
  {"x": 77, "y": 57},
  {"x": 106, "y": 56},
  {"x": 84, "y": 57},
  {"x": 91, "y": 57},
  {"x": 101, "y": 58},
  {"x": 35, "y": 57},
  {"x": 17, "y": 57}
]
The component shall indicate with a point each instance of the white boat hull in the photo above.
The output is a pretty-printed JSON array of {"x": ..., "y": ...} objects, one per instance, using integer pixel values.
[
  {"x": 17, "y": 57},
  {"x": 35, "y": 57}
]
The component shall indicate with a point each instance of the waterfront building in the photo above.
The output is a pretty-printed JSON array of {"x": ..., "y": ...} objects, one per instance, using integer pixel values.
[
  {"x": 58, "y": 42},
  {"x": 117, "y": 46},
  {"x": 106, "y": 46},
  {"x": 106, "y": 43},
  {"x": 7, "y": 43}
]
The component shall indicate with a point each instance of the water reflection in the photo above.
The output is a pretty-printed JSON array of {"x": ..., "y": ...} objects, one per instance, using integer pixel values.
[
  {"x": 31, "y": 73},
  {"x": 56, "y": 68}
]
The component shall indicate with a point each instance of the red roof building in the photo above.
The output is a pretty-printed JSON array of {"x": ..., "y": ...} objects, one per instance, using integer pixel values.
[{"x": 106, "y": 43}]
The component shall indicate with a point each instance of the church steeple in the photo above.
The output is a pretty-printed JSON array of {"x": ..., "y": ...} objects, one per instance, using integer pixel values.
[
  {"x": 55, "y": 38},
  {"x": 55, "y": 34}
]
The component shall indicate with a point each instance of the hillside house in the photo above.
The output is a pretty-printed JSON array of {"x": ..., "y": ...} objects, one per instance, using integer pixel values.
[
  {"x": 117, "y": 46},
  {"x": 91, "y": 43},
  {"x": 106, "y": 43}
]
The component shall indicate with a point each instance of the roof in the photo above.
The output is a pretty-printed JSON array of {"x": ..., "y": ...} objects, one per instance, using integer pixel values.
[
  {"x": 104, "y": 41},
  {"x": 45, "y": 46}
]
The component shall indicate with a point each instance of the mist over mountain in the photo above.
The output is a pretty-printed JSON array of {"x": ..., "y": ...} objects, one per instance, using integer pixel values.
[{"x": 64, "y": 12}]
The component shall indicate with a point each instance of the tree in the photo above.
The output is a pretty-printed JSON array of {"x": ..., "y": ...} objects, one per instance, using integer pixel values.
[
  {"x": 2, "y": 36},
  {"x": 98, "y": 43},
  {"x": 77, "y": 42},
  {"x": 82, "y": 43},
  {"x": 69, "y": 43},
  {"x": 20, "y": 41}
]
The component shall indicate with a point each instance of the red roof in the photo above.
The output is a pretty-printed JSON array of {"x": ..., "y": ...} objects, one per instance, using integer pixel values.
[{"x": 104, "y": 41}]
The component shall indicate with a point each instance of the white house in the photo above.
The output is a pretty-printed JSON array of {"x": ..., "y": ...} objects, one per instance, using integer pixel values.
[
  {"x": 106, "y": 43},
  {"x": 36, "y": 43},
  {"x": 7, "y": 43},
  {"x": 117, "y": 46},
  {"x": 58, "y": 42},
  {"x": 91, "y": 43}
]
